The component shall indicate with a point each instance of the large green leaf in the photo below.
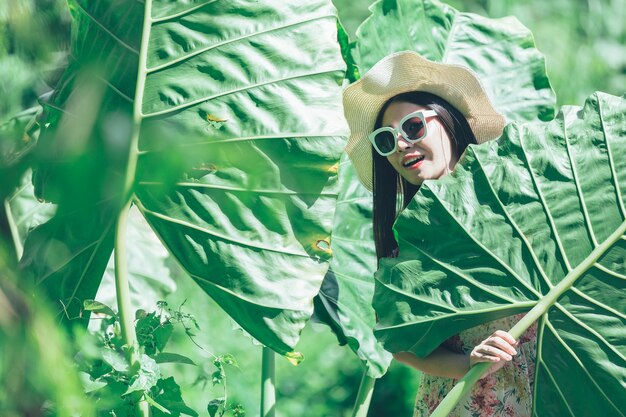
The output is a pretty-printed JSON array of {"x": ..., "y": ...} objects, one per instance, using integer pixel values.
[
  {"x": 344, "y": 300},
  {"x": 492, "y": 48},
  {"x": 24, "y": 212},
  {"x": 500, "y": 51},
  {"x": 536, "y": 219},
  {"x": 79, "y": 171},
  {"x": 67, "y": 256},
  {"x": 150, "y": 268},
  {"x": 244, "y": 98}
]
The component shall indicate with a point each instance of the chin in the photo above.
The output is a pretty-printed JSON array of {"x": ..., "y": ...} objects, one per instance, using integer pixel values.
[{"x": 414, "y": 181}]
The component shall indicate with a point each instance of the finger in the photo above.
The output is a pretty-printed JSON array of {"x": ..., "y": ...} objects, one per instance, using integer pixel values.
[
  {"x": 493, "y": 351},
  {"x": 477, "y": 357},
  {"x": 501, "y": 344},
  {"x": 504, "y": 335}
]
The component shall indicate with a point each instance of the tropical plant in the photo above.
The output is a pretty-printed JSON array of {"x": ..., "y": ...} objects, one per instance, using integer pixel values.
[
  {"x": 226, "y": 141},
  {"x": 112, "y": 385},
  {"x": 234, "y": 208},
  {"x": 536, "y": 220},
  {"x": 501, "y": 52},
  {"x": 225, "y": 157}
]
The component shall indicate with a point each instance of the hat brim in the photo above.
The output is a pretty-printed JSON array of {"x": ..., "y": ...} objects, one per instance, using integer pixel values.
[{"x": 408, "y": 71}]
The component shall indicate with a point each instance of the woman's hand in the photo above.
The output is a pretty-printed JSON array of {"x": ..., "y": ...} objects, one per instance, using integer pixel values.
[{"x": 497, "y": 348}]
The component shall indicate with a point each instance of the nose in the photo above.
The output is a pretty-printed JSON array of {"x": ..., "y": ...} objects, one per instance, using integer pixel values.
[{"x": 403, "y": 144}]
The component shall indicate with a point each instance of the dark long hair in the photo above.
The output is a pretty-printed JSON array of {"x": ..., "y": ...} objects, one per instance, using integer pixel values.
[{"x": 392, "y": 193}]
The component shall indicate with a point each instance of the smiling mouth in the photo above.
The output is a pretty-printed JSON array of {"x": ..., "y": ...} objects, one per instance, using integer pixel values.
[{"x": 413, "y": 161}]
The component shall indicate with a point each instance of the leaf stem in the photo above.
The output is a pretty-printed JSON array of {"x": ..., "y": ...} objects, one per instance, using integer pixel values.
[
  {"x": 364, "y": 396},
  {"x": 268, "y": 383},
  {"x": 122, "y": 290},
  {"x": 121, "y": 272}
]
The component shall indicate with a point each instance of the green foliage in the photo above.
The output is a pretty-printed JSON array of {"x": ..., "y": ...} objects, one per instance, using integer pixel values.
[
  {"x": 32, "y": 35},
  {"x": 352, "y": 70},
  {"x": 328, "y": 371},
  {"x": 536, "y": 219},
  {"x": 587, "y": 36},
  {"x": 167, "y": 393},
  {"x": 344, "y": 300},
  {"x": 98, "y": 307},
  {"x": 152, "y": 334},
  {"x": 18, "y": 136},
  {"x": 36, "y": 371},
  {"x": 207, "y": 203},
  {"x": 583, "y": 41},
  {"x": 500, "y": 51},
  {"x": 115, "y": 387},
  {"x": 151, "y": 269}
]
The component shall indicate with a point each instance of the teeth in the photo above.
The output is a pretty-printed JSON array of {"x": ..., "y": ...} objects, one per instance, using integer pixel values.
[{"x": 412, "y": 161}]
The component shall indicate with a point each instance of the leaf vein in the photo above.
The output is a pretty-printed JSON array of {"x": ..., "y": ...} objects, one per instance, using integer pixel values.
[
  {"x": 233, "y": 40},
  {"x": 582, "y": 367},
  {"x": 104, "y": 28},
  {"x": 237, "y": 90}
]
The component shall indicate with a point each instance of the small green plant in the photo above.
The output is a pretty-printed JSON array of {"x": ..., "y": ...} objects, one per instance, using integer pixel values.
[{"x": 116, "y": 387}]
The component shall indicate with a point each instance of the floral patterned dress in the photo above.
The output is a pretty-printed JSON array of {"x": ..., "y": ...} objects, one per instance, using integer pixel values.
[{"x": 505, "y": 393}]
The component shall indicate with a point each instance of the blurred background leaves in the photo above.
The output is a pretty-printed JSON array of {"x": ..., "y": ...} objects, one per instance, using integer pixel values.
[
  {"x": 584, "y": 41},
  {"x": 34, "y": 35}
]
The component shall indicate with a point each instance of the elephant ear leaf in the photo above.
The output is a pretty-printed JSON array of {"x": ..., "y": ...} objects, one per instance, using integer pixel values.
[
  {"x": 258, "y": 86},
  {"x": 537, "y": 220},
  {"x": 345, "y": 298},
  {"x": 235, "y": 113},
  {"x": 500, "y": 51}
]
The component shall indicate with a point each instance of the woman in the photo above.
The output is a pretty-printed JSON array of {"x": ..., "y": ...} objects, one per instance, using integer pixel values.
[{"x": 410, "y": 120}]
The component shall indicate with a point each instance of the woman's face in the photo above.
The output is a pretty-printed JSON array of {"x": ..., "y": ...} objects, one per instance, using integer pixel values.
[{"x": 431, "y": 158}]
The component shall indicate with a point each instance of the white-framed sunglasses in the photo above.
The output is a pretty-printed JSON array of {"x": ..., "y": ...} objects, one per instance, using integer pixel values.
[{"x": 412, "y": 128}]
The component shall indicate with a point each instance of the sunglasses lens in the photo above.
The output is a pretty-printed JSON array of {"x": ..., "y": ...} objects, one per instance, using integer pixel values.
[
  {"x": 385, "y": 141},
  {"x": 414, "y": 128}
]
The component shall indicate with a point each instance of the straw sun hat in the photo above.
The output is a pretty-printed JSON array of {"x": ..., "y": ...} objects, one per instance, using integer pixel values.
[{"x": 408, "y": 71}]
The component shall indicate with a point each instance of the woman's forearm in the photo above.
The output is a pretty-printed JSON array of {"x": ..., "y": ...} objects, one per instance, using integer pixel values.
[
  {"x": 498, "y": 349},
  {"x": 441, "y": 362}
]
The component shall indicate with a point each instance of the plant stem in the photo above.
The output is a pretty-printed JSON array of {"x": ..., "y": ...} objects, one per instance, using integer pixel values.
[
  {"x": 122, "y": 288},
  {"x": 268, "y": 383},
  {"x": 125, "y": 312},
  {"x": 121, "y": 273},
  {"x": 364, "y": 396},
  {"x": 8, "y": 228}
]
